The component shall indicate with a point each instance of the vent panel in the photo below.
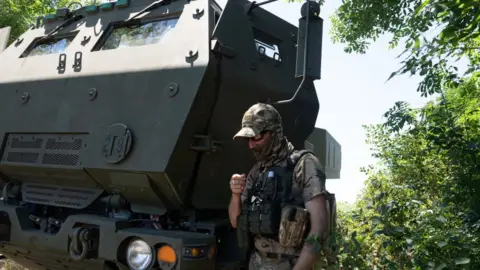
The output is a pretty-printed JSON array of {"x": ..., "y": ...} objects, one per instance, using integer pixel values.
[
  {"x": 53, "y": 195},
  {"x": 44, "y": 150}
]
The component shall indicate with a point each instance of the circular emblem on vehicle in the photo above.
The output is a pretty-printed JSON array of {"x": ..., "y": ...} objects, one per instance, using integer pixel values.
[{"x": 117, "y": 144}]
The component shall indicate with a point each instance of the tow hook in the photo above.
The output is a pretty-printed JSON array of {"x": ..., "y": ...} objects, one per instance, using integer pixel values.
[{"x": 79, "y": 246}]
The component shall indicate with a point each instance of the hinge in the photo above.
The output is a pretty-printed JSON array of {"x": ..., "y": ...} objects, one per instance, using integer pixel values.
[{"x": 204, "y": 143}]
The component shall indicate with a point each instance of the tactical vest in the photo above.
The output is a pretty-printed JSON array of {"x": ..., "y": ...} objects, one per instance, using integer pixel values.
[{"x": 270, "y": 193}]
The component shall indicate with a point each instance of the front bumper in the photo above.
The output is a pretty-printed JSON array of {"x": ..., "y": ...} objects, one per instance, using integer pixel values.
[{"x": 109, "y": 238}]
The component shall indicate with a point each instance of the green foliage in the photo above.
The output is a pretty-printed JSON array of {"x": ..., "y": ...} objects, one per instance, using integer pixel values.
[
  {"x": 351, "y": 246},
  {"x": 21, "y": 14},
  {"x": 434, "y": 32},
  {"x": 420, "y": 208}
]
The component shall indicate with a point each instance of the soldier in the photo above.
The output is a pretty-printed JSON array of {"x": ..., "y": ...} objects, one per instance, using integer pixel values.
[{"x": 274, "y": 240}]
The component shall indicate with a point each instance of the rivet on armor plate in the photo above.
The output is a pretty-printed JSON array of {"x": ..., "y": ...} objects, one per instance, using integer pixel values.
[
  {"x": 171, "y": 90},
  {"x": 92, "y": 94},
  {"x": 25, "y": 97}
]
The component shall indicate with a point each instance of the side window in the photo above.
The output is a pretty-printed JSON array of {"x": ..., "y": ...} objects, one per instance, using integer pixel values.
[
  {"x": 140, "y": 33},
  {"x": 267, "y": 45},
  {"x": 50, "y": 45}
]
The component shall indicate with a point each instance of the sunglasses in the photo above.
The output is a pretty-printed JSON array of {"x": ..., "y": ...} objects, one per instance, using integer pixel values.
[{"x": 258, "y": 137}]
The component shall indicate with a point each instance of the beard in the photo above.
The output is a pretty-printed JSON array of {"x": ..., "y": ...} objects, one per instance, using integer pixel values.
[
  {"x": 275, "y": 148},
  {"x": 264, "y": 151}
]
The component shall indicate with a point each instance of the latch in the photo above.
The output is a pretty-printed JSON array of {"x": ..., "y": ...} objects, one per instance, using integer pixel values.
[
  {"x": 62, "y": 60},
  {"x": 77, "y": 64},
  {"x": 204, "y": 143}
]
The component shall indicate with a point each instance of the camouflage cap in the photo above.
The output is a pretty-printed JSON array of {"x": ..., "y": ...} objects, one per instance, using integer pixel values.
[{"x": 259, "y": 118}]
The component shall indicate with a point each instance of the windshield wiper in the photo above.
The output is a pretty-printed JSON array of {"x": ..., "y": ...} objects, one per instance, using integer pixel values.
[
  {"x": 66, "y": 23},
  {"x": 150, "y": 7}
]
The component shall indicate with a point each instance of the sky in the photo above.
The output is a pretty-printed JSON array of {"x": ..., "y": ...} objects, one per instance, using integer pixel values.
[{"x": 352, "y": 92}]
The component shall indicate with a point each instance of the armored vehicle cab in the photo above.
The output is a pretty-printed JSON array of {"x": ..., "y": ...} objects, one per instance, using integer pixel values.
[{"x": 117, "y": 123}]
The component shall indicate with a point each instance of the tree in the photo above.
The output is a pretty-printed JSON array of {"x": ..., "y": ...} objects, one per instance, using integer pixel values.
[
  {"x": 20, "y": 14},
  {"x": 434, "y": 33},
  {"x": 420, "y": 208}
]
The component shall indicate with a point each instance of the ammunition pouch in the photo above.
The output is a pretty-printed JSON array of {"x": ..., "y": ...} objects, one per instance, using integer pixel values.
[
  {"x": 293, "y": 224},
  {"x": 263, "y": 218},
  {"x": 257, "y": 219}
]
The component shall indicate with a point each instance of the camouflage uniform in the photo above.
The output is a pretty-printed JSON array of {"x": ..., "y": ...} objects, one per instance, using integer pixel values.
[{"x": 308, "y": 182}]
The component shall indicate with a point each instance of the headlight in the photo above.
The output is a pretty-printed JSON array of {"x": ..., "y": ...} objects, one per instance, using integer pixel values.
[{"x": 139, "y": 255}]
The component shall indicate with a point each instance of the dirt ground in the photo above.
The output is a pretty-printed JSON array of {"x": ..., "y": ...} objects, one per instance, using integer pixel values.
[{"x": 9, "y": 265}]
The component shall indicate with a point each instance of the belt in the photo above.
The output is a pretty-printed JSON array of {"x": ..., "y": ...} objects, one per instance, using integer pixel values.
[{"x": 271, "y": 255}]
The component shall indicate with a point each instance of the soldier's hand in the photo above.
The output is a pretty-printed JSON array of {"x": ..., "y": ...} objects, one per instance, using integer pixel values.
[{"x": 237, "y": 183}]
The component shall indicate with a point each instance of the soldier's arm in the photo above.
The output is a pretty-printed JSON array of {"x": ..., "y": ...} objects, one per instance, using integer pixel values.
[
  {"x": 235, "y": 206},
  {"x": 234, "y": 209},
  {"x": 314, "y": 195}
]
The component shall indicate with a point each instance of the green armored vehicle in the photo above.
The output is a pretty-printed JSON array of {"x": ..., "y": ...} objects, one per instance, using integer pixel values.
[{"x": 116, "y": 129}]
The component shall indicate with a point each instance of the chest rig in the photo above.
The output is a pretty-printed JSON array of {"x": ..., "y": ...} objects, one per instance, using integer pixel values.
[{"x": 270, "y": 193}]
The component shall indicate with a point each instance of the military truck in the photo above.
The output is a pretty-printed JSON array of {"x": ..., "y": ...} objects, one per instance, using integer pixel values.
[{"x": 117, "y": 121}]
